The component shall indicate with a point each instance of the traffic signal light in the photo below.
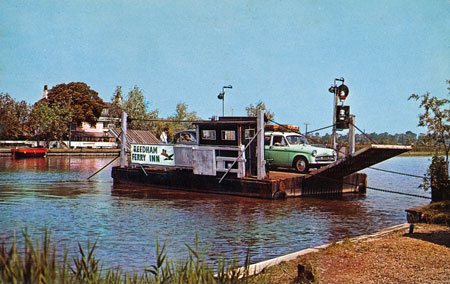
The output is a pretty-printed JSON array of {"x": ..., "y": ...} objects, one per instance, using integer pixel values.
[
  {"x": 342, "y": 92},
  {"x": 342, "y": 117},
  {"x": 220, "y": 96}
]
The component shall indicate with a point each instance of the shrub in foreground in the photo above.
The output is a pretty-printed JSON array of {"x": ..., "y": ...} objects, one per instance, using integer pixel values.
[{"x": 38, "y": 262}]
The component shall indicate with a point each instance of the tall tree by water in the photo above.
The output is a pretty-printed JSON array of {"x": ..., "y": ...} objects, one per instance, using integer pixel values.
[
  {"x": 49, "y": 123},
  {"x": 13, "y": 116},
  {"x": 116, "y": 108},
  {"x": 136, "y": 108},
  {"x": 436, "y": 119},
  {"x": 84, "y": 104},
  {"x": 181, "y": 114}
]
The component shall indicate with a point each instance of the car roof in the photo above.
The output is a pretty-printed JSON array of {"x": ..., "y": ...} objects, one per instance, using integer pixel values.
[
  {"x": 187, "y": 131},
  {"x": 281, "y": 133}
]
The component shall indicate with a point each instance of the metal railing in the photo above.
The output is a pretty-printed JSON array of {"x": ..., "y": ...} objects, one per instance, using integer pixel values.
[{"x": 208, "y": 160}]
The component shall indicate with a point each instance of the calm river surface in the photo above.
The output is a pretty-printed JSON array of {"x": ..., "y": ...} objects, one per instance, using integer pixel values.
[{"x": 53, "y": 193}]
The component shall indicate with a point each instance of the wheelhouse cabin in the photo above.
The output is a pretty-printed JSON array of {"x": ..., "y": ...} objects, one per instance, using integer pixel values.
[{"x": 230, "y": 132}]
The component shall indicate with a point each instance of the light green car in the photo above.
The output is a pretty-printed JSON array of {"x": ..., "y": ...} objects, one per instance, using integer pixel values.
[{"x": 289, "y": 149}]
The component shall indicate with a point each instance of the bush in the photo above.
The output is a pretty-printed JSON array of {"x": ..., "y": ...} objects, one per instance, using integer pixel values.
[{"x": 437, "y": 179}]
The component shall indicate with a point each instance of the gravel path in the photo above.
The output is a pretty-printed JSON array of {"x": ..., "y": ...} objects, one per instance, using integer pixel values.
[{"x": 398, "y": 257}]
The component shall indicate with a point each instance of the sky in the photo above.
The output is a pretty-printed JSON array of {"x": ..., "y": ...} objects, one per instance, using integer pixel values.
[{"x": 284, "y": 53}]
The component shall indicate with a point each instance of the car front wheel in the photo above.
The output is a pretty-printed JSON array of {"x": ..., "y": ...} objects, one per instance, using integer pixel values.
[{"x": 301, "y": 165}]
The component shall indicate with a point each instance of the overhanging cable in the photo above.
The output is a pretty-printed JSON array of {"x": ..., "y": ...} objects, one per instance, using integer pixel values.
[
  {"x": 370, "y": 187},
  {"x": 398, "y": 173},
  {"x": 363, "y": 133}
]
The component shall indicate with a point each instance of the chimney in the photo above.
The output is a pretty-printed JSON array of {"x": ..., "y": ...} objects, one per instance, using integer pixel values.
[{"x": 45, "y": 94}]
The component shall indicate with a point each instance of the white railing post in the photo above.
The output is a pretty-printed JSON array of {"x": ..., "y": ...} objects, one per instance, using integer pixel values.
[
  {"x": 123, "y": 143},
  {"x": 241, "y": 162},
  {"x": 260, "y": 161},
  {"x": 351, "y": 135}
]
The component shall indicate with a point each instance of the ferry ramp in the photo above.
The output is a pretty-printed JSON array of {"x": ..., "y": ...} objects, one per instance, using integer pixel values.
[
  {"x": 359, "y": 160},
  {"x": 331, "y": 177}
]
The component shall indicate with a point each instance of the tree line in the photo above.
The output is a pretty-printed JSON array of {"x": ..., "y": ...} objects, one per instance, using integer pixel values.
[
  {"x": 68, "y": 105},
  {"x": 51, "y": 117},
  {"x": 407, "y": 138}
]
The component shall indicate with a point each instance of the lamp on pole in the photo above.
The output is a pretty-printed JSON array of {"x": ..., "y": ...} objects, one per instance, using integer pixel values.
[
  {"x": 221, "y": 96},
  {"x": 340, "y": 92},
  {"x": 306, "y": 127}
]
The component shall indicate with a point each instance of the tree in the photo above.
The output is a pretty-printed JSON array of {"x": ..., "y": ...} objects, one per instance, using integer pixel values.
[
  {"x": 253, "y": 110},
  {"x": 49, "y": 123},
  {"x": 84, "y": 104},
  {"x": 136, "y": 108},
  {"x": 116, "y": 108},
  {"x": 181, "y": 114},
  {"x": 437, "y": 120},
  {"x": 437, "y": 179},
  {"x": 13, "y": 116}
]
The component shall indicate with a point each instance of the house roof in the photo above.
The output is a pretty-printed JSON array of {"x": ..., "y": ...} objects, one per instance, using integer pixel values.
[{"x": 135, "y": 136}]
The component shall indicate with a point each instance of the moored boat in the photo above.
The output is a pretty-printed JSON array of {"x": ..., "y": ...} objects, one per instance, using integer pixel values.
[{"x": 29, "y": 152}]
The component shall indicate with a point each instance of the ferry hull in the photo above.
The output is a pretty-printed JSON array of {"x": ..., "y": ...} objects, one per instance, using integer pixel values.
[{"x": 278, "y": 185}]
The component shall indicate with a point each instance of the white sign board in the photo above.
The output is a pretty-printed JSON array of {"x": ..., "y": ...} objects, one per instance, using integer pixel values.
[{"x": 145, "y": 154}]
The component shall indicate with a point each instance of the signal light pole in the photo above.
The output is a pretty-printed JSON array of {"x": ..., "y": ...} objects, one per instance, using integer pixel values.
[
  {"x": 340, "y": 92},
  {"x": 221, "y": 96}
]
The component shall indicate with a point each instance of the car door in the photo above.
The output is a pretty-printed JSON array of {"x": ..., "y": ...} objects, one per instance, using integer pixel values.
[
  {"x": 279, "y": 151},
  {"x": 267, "y": 147}
]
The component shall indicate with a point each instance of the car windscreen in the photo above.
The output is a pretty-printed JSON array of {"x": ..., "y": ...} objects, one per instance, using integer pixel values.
[
  {"x": 296, "y": 140},
  {"x": 186, "y": 137}
]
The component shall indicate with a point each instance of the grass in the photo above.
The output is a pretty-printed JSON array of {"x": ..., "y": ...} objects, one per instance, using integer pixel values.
[
  {"x": 38, "y": 262},
  {"x": 437, "y": 213}
]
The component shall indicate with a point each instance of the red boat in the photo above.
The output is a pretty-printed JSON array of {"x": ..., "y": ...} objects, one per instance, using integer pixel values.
[{"x": 28, "y": 152}]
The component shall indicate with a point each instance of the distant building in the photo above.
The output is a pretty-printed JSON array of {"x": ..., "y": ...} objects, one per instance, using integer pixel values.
[
  {"x": 92, "y": 136},
  {"x": 95, "y": 136}
]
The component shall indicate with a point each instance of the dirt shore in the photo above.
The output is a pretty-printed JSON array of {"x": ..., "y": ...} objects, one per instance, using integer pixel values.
[{"x": 397, "y": 257}]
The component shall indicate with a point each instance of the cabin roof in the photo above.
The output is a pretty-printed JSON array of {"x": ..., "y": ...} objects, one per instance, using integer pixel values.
[
  {"x": 136, "y": 136},
  {"x": 230, "y": 120}
]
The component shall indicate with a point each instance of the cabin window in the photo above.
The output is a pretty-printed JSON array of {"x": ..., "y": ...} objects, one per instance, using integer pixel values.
[
  {"x": 267, "y": 140},
  {"x": 228, "y": 135},
  {"x": 249, "y": 133},
  {"x": 208, "y": 134}
]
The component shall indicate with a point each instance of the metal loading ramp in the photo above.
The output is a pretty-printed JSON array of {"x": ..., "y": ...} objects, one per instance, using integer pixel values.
[
  {"x": 357, "y": 161},
  {"x": 335, "y": 178}
]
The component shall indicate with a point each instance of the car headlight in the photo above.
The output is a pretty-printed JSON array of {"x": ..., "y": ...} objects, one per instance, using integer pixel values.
[
  {"x": 314, "y": 153},
  {"x": 334, "y": 154}
]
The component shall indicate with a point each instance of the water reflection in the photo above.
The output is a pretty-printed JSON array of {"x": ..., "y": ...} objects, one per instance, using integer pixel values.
[{"x": 54, "y": 193}]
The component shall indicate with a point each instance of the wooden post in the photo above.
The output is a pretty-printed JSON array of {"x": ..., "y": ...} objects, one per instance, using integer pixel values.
[
  {"x": 260, "y": 161},
  {"x": 123, "y": 143},
  {"x": 351, "y": 135},
  {"x": 333, "y": 132}
]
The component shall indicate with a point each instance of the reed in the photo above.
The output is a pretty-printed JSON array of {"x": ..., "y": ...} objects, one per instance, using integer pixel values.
[{"x": 37, "y": 262}]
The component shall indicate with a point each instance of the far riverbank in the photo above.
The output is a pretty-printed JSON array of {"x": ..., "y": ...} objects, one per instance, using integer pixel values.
[
  {"x": 114, "y": 152},
  {"x": 72, "y": 152}
]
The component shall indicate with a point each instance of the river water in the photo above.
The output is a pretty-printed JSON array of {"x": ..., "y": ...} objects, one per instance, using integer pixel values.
[{"x": 54, "y": 193}]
